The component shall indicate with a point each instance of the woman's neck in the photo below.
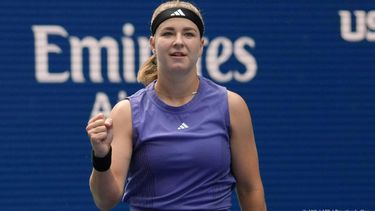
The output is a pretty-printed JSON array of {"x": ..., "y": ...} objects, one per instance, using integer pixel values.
[{"x": 177, "y": 92}]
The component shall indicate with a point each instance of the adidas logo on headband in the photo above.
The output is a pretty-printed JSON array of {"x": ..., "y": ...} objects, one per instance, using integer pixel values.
[{"x": 178, "y": 13}]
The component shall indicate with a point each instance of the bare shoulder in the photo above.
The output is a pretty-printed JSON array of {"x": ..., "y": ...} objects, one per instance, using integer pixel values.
[
  {"x": 121, "y": 109},
  {"x": 122, "y": 116},
  {"x": 236, "y": 103},
  {"x": 122, "y": 129}
]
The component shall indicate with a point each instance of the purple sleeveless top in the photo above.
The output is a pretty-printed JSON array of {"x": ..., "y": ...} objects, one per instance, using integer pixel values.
[{"x": 181, "y": 155}]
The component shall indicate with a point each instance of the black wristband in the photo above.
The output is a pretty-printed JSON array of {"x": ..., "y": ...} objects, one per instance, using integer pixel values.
[{"x": 104, "y": 163}]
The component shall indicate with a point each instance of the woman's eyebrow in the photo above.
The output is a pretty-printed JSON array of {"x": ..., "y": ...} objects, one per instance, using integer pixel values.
[{"x": 184, "y": 29}]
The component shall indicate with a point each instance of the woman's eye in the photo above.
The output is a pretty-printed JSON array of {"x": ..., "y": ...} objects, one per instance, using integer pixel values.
[
  {"x": 167, "y": 34},
  {"x": 189, "y": 34}
]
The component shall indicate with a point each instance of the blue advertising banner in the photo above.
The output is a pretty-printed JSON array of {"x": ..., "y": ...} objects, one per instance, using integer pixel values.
[{"x": 305, "y": 69}]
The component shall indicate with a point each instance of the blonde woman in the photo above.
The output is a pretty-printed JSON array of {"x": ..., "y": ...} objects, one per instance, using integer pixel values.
[{"x": 181, "y": 143}]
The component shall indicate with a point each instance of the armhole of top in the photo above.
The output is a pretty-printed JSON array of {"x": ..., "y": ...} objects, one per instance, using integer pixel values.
[
  {"x": 227, "y": 112},
  {"x": 134, "y": 111}
]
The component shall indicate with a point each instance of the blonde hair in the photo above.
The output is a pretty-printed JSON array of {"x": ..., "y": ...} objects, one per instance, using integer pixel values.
[{"x": 148, "y": 71}]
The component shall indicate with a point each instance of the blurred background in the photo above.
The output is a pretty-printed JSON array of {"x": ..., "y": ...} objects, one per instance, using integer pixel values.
[{"x": 305, "y": 68}]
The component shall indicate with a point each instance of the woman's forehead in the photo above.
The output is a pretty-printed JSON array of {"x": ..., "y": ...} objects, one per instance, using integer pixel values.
[{"x": 178, "y": 23}]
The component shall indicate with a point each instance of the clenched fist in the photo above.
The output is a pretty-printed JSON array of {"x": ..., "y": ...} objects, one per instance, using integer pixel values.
[{"x": 99, "y": 130}]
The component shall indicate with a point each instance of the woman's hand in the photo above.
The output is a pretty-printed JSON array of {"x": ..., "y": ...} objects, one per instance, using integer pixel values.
[{"x": 99, "y": 130}]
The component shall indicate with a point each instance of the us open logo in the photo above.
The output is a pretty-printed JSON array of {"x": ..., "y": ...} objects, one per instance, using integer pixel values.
[{"x": 363, "y": 25}]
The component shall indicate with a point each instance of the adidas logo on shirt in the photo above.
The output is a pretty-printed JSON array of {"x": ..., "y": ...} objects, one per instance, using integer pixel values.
[
  {"x": 178, "y": 13},
  {"x": 183, "y": 126}
]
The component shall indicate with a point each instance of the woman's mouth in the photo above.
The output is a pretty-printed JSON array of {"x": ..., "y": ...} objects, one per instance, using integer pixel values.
[{"x": 177, "y": 54}]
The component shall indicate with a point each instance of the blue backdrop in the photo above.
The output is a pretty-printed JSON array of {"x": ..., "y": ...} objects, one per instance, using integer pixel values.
[{"x": 305, "y": 68}]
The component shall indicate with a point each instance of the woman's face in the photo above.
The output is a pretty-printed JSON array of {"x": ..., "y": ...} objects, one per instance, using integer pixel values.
[{"x": 178, "y": 45}]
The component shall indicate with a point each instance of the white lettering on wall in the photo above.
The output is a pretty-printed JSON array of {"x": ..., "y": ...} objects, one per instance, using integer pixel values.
[
  {"x": 42, "y": 49},
  {"x": 94, "y": 46},
  {"x": 363, "y": 25},
  {"x": 219, "y": 51},
  {"x": 214, "y": 60},
  {"x": 128, "y": 53},
  {"x": 245, "y": 58},
  {"x": 102, "y": 103}
]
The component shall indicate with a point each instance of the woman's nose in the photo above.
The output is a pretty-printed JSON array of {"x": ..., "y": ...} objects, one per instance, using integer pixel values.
[{"x": 179, "y": 40}]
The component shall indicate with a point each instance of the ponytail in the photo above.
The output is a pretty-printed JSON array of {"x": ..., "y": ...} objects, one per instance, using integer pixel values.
[{"x": 148, "y": 71}]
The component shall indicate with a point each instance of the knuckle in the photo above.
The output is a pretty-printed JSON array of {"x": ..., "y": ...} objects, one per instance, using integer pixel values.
[
  {"x": 99, "y": 129},
  {"x": 102, "y": 136},
  {"x": 97, "y": 137}
]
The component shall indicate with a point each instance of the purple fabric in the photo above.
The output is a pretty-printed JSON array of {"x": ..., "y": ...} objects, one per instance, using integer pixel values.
[{"x": 181, "y": 155}]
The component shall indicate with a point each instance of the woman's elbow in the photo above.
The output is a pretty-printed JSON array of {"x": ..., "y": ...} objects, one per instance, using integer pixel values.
[
  {"x": 105, "y": 199},
  {"x": 106, "y": 203}
]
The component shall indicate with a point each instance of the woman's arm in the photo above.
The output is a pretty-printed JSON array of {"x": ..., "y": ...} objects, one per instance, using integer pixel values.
[
  {"x": 244, "y": 156},
  {"x": 107, "y": 187}
]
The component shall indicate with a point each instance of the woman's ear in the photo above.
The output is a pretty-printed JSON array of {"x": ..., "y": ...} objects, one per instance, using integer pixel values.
[
  {"x": 201, "y": 49},
  {"x": 152, "y": 44}
]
